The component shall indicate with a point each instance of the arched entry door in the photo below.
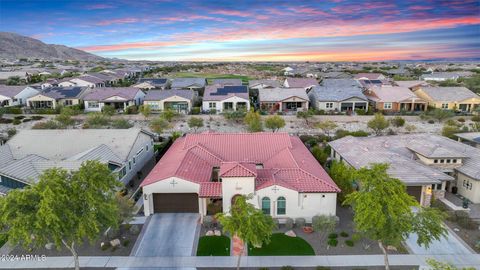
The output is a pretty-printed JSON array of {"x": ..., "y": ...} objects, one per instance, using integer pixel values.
[{"x": 234, "y": 198}]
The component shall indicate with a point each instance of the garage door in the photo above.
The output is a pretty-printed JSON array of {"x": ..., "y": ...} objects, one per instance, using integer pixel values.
[
  {"x": 415, "y": 192},
  {"x": 175, "y": 203}
]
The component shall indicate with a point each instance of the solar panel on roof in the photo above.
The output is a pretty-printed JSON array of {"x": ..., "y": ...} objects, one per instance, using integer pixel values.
[
  {"x": 229, "y": 90},
  {"x": 477, "y": 139}
]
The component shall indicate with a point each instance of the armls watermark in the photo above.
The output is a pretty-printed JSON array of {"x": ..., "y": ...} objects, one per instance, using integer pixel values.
[{"x": 27, "y": 257}]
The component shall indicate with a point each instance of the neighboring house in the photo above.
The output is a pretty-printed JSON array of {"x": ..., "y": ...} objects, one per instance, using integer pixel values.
[
  {"x": 178, "y": 100},
  {"x": 470, "y": 138},
  {"x": 425, "y": 163},
  {"x": 394, "y": 99},
  {"x": 288, "y": 71},
  {"x": 342, "y": 95},
  {"x": 29, "y": 152},
  {"x": 412, "y": 85},
  {"x": 227, "y": 98},
  {"x": 118, "y": 97},
  {"x": 51, "y": 98},
  {"x": 87, "y": 81},
  {"x": 225, "y": 82},
  {"x": 197, "y": 84},
  {"x": 440, "y": 76},
  {"x": 288, "y": 100},
  {"x": 305, "y": 83},
  {"x": 335, "y": 75},
  {"x": 370, "y": 77},
  {"x": 151, "y": 83},
  {"x": 66, "y": 83},
  {"x": 15, "y": 95},
  {"x": 199, "y": 170},
  {"x": 260, "y": 84},
  {"x": 451, "y": 98}
]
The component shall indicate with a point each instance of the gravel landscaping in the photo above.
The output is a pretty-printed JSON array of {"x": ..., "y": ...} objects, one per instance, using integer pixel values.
[{"x": 126, "y": 236}]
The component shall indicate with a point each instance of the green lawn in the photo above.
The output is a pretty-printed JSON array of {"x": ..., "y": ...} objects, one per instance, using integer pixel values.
[
  {"x": 209, "y": 76},
  {"x": 282, "y": 245},
  {"x": 213, "y": 246}
]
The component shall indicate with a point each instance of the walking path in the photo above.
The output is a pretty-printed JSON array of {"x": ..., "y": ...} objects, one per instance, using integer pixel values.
[{"x": 464, "y": 260}]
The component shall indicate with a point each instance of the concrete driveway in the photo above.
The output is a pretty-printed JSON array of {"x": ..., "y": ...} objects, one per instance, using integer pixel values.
[
  {"x": 169, "y": 234},
  {"x": 451, "y": 244}
]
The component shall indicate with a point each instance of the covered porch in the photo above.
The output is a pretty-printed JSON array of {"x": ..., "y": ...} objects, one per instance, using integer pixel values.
[
  {"x": 352, "y": 106},
  {"x": 235, "y": 106},
  {"x": 42, "y": 104},
  {"x": 413, "y": 106},
  {"x": 177, "y": 106}
]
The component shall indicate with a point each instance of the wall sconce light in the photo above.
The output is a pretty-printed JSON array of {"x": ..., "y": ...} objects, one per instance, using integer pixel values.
[{"x": 145, "y": 197}]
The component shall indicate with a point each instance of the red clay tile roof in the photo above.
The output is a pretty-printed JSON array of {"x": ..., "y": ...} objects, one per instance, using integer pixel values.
[
  {"x": 237, "y": 169},
  {"x": 286, "y": 161},
  {"x": 210, "y": 190}
]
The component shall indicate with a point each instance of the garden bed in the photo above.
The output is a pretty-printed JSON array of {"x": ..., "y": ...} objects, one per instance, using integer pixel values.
[
  {"x": 470, "y": 236},
  {"x": 213, "y": 246},
  {"x": 126, "y": 236}
]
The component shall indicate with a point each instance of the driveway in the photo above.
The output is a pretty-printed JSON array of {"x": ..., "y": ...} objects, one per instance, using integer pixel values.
[
  {"x": 449, "y": 245},
  {"x": 169, "y": 234}
]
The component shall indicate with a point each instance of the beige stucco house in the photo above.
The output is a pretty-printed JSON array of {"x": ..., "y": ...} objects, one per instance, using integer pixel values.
[
  {"x": 178, "y": 100},
  {"x": 51, "y": 98},
  {"x": 451, "y": 98}
]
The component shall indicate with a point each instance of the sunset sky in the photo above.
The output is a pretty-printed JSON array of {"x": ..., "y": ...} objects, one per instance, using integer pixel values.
[{"x": 336, "y": 30}]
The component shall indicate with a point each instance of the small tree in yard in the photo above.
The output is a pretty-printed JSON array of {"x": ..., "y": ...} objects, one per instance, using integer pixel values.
[
  {"x": 440, "y": 114},
  {"x": 65, "y": 118},
  {"x": 326, "y": 126},
  {"x": 253, "y": 121},
  {"x": 65, "y": 208},
  {"x": 159, "y": 124},
  {"x": 383, "y": 211},
  {"x": 248, "y": 223},
  {"x": 343, "y": 175},
  {"x": 125, "y": 208},
  {"x": 274, "y": 123},
  {"x": 305, "y": 115},
  {"x": 195, "y": 123},
  {"x": 436, "y": 265},
  {"x": 398, "y": 121},
  {"x": 378, "y": 123},
  {"x": 108, "y": 110},
  {"x": 324, "y": 225},
  {"x": 146, "y": 110},
  {"x": 169, "y": 115}
]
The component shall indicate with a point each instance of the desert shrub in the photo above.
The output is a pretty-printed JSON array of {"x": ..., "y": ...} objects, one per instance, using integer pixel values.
[
  {"x": 287, "y": 267},
  {"x": 208, "y": 222},
  {"x": 349, "y": 243},
  {"x": 131, "y": 110},
  {"x": 212, "y": 111},
  {"x": 289, "y": 223},
  {"x": 333, "y": 236},
  {"x": 12, "y": 110},
  {"x": 195, "y": 110},
  {"x": 11, "y": 132},
  {"x": 461, "y": 120},
  {"x": 5, "y": 121},
  {"x": 332, "y": 242},
  {"x": 300, "y": 222},
  {"x": 97, "y": 120},
  {"x": 105, "y": 246},
  {"x": 344, "y": 234},
  {"x": 108, "y": 110},
  {"x": 431, "y": 121},
  {"x": 50, "y": 124},
  {"x": 356, "y": 237},
  {"x": 45, "y": 111},
  {"x": 26, "y": 120},
  {"x": 19, "y": 117},
  {"x": 125, "y": 242},
  {"x": 121, "y": 124},
  {"x": 37, "y": 117},
  {"x": 16, "y": 122},
  {"x": 343, "y": 133},
  {"x": 397, "y": 121},
  {"x": 476, "y": 118}
]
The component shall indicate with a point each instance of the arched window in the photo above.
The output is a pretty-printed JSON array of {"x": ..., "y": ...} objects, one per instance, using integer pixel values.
[
  {"x": 281, "y": 206},
  {"x": 266, "y": 205}
]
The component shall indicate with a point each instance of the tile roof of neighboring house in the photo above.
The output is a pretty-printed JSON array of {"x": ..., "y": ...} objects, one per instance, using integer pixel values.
[
  {"x": 217, "y": 92},
  {"x": 338, "y": 90},
  {"x": 301, "y": 82},
  {"x": 232, "y": 82},
  {"x": 391, "y": 94},
  {"x": 154, "y": 81},
  {"x": 103, "y": 93},
  {"x": 270, "y": 83},
  {"x": 449, "y": 94},
  {"x": 285, "y": 159},
  {"x": 101, "y": 76},
  {"x": 470, "y": 136},
  {"x": 410, "y": 84},
  {"x": 155, "y": 95},
  {"x": 398, "y": 151},
  {"x": 11, "y": 90},
  {"x": 444, "y": 75},
  {"x": 210, "y": 190},
  {"x": 90, "y": 79},
  {"x": 279, "y": 94},
  {"x": 22, "y": 169},
  {"x": 237, "y": 169},
  {"x": 369, "y": 76},
  {"x": 64, "y": 92},
  {"x": 188, "y": 82}
]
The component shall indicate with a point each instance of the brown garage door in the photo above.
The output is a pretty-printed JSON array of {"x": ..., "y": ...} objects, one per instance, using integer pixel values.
[
  {"x": 175, "y": 203},
  {"x": 415, "y": 191}
]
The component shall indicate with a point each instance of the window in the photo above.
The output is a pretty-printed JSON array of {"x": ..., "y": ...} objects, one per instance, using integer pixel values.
[
  {"x": 134, "y": 160},
  {"x": 444, "y": 105},
  {"x": 212, "y": 105},
  {"x": 448, "y": 160},
  {"x": 93, "y": 104},
  {"x": 435, "y": 161},
  {"x": 129, "y": 165},
  {"x": 68, "y": 102},
  {"x": 329, "y": 105},
  {"x": 442, "y": 161},
  {"x": 454, "y": 161},
  {"x": 146, "y": 147},
  {"x": 387, "y": 105},
  {"x": 266, "y": 205},
  {"x": 281, "y": 206},
  {"x": 139, "y": 152}
]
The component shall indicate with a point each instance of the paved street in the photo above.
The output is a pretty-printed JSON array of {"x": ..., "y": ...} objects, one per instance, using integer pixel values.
[
  {"x": 169, "y": 234},
  {"x": 448, "y": 245}
]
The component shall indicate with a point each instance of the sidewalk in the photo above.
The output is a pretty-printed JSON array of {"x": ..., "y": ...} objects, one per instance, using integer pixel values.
[{"x": 465, "y": 260}]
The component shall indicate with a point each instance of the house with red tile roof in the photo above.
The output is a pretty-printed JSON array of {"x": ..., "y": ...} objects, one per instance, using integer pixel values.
[{"x": 201, "y": 170}]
